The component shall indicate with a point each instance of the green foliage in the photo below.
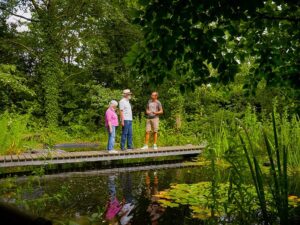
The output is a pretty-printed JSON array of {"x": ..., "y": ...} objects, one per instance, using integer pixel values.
[
  {"x": 222, "y": 34},
  {"x": 13, "y": 128},
  {"x": 9, "y": 79},
  {"x": 279, "y": 184},
  {"x": 63, "y": 48},
  {"x": 14, "y": 90},
  {"x": 139, "y": 128}
]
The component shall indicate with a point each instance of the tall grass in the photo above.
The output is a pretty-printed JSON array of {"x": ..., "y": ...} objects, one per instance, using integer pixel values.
[
  {"x": 13, "y": 128},
  {"x": 277, "y": 155},
  {"x": 223, "y": 134},
  {"x": 166, "y": 135},
  {"x": 252, "y": 141},
  {"x": 294, "y": 142},
  {"x": 139, "y": 128}
]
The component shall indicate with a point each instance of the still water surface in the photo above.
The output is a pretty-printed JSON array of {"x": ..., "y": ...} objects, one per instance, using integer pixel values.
[
  {"x": 118, "y": 196},
  {"x": 122, "y": 197}
]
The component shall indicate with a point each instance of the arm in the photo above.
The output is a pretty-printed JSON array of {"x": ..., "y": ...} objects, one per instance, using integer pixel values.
[
  {"x": 110, "y": 127},
  {"x": 108, "y": 119},
  {"x": 160, "y": 111},
  {"x": 122, "y": 117},
  {"x": 121, "y": 105},
  {"x": 147, "y": 110}
]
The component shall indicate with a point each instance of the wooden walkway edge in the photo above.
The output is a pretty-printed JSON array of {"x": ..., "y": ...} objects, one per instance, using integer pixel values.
[{"x": 54, "y": 157}]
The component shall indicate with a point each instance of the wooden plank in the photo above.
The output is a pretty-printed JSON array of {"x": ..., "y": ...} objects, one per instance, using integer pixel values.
[
  {"x": 8, "y": 158},
  {"x": 79, "y": 154},
  {"x": 55, "y": 155},
  {"x": 89, "y": 154},
  {"x": 60, "y": 155},
  {"x": 104, "y": 154},
  {"x": 92, "y": 156},
  {"x": 65, "y": 155},
  {"x": 14, "y": 158},
  {"x": 27, "y": 157},
  {"x": 44, "y": 155},
  {"x": 21, "y": 157},
  {"x": 73, "y": 154},
  {"x": 95, "y": 153},
  {"x": 36, "y": 156},
  {"x": 84, "y": 154}
]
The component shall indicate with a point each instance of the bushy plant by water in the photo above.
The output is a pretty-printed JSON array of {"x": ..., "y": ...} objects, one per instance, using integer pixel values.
[{"x": 13, "y": 128}]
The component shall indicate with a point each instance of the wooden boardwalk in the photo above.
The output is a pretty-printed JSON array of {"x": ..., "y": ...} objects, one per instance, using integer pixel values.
[{"x": 54, "y": 157}]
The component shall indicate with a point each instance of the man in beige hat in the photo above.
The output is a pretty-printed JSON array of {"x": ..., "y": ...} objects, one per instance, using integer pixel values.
[{"x": 126, "y": 120}]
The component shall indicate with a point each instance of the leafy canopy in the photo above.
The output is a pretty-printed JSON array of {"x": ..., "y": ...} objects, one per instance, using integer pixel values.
[{"x": 190, "y": 35}]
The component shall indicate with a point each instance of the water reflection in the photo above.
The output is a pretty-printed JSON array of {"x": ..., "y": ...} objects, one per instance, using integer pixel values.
[
  {"x": 113, "y": 206},
  {"x": 122, "y": 212},
  {"x": 103, "y": 201},
  {"x": 154, "y": 209},
  {"x": 126, "y": 213}
]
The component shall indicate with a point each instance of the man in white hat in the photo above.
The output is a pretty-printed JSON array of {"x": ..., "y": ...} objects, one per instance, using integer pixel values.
[{"x": 126, "y": 120}]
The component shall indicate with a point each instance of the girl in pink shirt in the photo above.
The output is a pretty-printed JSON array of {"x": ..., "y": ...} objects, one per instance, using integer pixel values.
[{"x": 111, "y": 122}]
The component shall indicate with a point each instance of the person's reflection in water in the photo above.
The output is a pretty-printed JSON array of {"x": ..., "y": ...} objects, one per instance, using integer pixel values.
[
  {"x": 113, "y": 206},
  {"x": 154, "y": 209},
  {"x": 126, "y": 213}
]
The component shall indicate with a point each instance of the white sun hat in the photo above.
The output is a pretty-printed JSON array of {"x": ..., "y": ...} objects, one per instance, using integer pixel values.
[{"x": 127, "y": 92}]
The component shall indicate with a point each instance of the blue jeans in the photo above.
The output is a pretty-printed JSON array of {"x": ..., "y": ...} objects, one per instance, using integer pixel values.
[
  {"x": 112, "y": 187},
  {"x": 111, "y": 138},
  {"x": 127, "y": 135},
  {"x": 126, "y": 181}
]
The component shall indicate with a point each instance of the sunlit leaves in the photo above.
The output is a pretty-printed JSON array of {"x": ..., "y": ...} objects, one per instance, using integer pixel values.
[{"x": 223, "y": 34}]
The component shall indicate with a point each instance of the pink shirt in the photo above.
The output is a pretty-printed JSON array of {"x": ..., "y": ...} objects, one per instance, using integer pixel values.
[{"x": 112, "y": 117}]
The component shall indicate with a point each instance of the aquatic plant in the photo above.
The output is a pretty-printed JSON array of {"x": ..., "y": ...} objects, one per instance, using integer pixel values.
[{"x": 278, "y": 158}]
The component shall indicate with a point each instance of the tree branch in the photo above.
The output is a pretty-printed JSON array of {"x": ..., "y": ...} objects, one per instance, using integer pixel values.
[
  {"x": 24, "y": 46},
  {"x": 291, "y": 19},
  {"x": 20, "y": 16},
  {"x": 36, "y": 7}
]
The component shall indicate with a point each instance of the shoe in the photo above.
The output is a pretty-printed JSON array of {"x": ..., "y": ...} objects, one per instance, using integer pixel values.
[
  {"x": 145, "y": 147},
  {"x": 155, "y": 147},
  {"x": 112, "y": 151}
]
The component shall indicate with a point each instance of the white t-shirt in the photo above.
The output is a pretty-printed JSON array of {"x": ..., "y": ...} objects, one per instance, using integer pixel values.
[{"x": 126, "y": 108}]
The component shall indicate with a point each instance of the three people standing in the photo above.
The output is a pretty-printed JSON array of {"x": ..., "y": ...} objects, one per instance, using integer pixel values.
[{"x": 153, "y": 111}]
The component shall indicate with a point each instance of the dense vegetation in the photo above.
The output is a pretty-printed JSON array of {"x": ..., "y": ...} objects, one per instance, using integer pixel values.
[
  {"x": 61, "y": 63},
  {"x": 228, "y": 73}
]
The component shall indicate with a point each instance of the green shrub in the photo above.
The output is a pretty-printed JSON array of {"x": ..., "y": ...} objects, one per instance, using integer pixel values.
[{"x": 13, "y": 129}]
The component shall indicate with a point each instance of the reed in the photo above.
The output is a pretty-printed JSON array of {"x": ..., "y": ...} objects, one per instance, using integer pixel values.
[{"x": 278, "y": 157}]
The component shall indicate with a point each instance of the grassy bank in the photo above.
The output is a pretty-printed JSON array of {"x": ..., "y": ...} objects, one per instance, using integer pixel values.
[{"x": 20, "y": 133}]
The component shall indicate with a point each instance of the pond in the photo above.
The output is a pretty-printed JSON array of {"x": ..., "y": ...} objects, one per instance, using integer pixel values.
[
  {"x": 123, "y": 196},
  {"x": 111, "y": 196}
]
